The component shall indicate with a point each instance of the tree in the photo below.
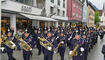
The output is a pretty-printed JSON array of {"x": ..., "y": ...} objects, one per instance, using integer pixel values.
[{"x": 97, "y": 18}]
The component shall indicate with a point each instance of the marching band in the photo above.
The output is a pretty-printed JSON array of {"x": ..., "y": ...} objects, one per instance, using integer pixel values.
[{"x": 79, "y": 41}]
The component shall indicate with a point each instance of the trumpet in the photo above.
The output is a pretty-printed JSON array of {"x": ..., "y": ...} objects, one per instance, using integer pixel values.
[{"x": 74, "y": 52}]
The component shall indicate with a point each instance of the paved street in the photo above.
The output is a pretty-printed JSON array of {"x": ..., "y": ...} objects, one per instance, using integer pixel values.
[{"x": 94, "y": 54}]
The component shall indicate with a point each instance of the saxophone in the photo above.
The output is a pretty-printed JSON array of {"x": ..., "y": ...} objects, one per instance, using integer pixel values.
[
  {"x": 45, "y": 43},
  {"x": 74, "y": 52}
]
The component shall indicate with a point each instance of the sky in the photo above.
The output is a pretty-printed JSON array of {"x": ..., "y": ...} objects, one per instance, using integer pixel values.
[{"x": 98, "y": 3}]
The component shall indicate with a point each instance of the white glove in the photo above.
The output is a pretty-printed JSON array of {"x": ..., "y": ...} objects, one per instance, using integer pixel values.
[
  {"x": 49, "y": 48},
  {"x": 14, "y": 45},
  {"x": 70, "y": 52},
  {"x": 2, "y": 48},
  {"x": 31, "y": 49},
  {"x": 82, "y": 49},
  {"x": 38, "y": 37},
  {"x": 62, "y": 42},
  {"x": 69, "y": 38}
]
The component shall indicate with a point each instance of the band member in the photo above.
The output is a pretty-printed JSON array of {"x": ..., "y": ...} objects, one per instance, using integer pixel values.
[
  {"x": 85, "y": 46},
  {"x": 62, "y": 46},
  {"x": 39, "y": 35},
  {"x": 48, "y": 53},
  {"x": 29, "y": 40},
  {"x": 76, "y": 41},
  {"x": 8, "y": 49},
  {"x": 101, "y": 34}
]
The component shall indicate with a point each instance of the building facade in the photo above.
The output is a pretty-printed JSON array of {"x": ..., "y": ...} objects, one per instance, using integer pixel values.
[
  {"x": 56, "y": 9},
  {"x": 84, "y": 20},
  {"x": 37, "y": 13},
  {"x": 104, "y": 6},
  {"x": 74, "y": 10},
  {"x": 90, "y": 15},
  {"x": 102, "y": 17}
]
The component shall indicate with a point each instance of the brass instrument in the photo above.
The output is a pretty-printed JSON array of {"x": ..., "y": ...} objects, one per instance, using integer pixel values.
[
  {"x": 8, "y": 43},
  {"x": 73, "y": 25},
  {"x": 59, "y": 44},
  {"x": 74, "y": 52},
  {"x": 97, "y": 26},
  {"x": 45, "y": 43},
  {"x": 24, "y": 45}
]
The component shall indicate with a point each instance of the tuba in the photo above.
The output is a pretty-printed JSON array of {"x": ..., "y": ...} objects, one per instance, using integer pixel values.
[
  {"x": 8, "y": 43},
  {"x": 74, "y": 52},
  {"x": 73, "y": 25},
  {"x": 24, "y": 45},
  {"x": 45, "y": 43}
]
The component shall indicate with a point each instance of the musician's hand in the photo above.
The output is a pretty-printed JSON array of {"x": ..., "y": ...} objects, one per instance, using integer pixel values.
[
  {"x": 62, "y": 42},
  {"x": 2, "y": 48},
  {"x": 49, "y": 48},
  {"x": 35, "y": 46},
  {"x": 81, "y": 49},
  {"x": 70, "y": 52},
  {"x": 38, "y": 37},
  {"x": 31, "y": 49}
]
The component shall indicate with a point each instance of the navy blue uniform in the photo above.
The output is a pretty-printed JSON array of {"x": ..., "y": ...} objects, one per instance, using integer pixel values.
[
  {"x": 38, "y": 43},
  {"x": 85, "y": 46},
  {"x": 48, "y": 55},
  {"x": 101, "y": 34},
  {"x": 26, "y": 54},
  {"x": 9, "y": 50},
  {"x": 73, "y": 44},
  {"x": 62, "y": 48}
]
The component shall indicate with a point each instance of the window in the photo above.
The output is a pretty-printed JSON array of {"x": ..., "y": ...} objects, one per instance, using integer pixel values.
[
  {"x": 28, "y": 2},
  {"x": 64, "y": 3},
  {"x": 73, "y": 14},
  {"x": 40, "y": 3},
  {"x": 63, "y": 13},
  {"x": 51, "y": 10},
  {"x": 74, "y": 5},
  {"x": 76, "y": 15},
  {"x": 52, "y": 1},
  {"x": 59, "y": 2},
  {"x": 58, "y": 12}
]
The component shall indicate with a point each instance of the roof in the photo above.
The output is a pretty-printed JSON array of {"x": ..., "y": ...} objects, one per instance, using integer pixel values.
[{"x": 93, "y": 6}]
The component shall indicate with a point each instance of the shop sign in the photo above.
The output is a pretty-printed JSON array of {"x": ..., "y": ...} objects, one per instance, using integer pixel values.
[{"x": 26, "y": 9}]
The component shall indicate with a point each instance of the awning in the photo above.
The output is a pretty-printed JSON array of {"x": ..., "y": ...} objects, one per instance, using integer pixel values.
[{"x": 33, "y": 17}]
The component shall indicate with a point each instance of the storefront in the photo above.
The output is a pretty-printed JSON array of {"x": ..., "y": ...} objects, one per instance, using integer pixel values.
[{"x": 23, "y": 16}]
